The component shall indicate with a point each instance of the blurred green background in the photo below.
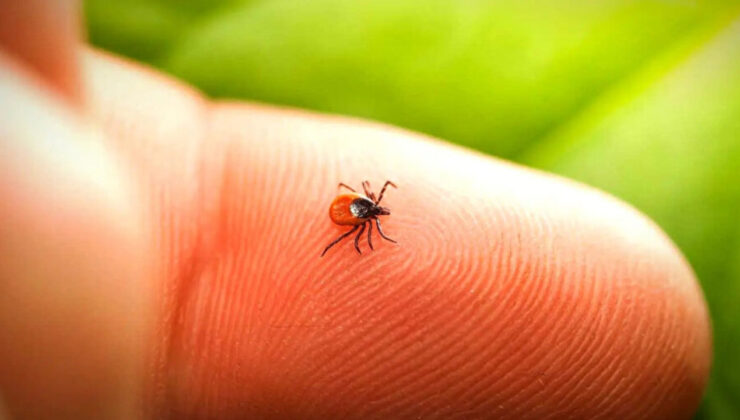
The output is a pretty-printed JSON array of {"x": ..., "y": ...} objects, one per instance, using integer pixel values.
[{"x": 639, "y": 98}]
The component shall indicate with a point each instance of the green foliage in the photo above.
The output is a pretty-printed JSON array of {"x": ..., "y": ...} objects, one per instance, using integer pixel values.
[{"x": 640, "y": 98}]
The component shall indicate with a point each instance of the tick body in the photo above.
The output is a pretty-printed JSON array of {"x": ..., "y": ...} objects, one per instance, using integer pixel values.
[{"x": 360, "y": 211}]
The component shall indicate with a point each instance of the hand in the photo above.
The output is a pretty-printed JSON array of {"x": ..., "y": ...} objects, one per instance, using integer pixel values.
[{"x": 160, "y": 257}]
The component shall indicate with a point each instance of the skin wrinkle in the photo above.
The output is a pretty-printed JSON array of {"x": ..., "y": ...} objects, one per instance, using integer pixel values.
[
  {"x": 179, "y": 237},
  {"x": 473, "y": 378},
  {"x": 533, "y": 374},
  {"x": 573, "y": 361},
  {"x": 379, "y": 344},
  {"x": 592, "y": 350},
  {"x": 616, "y": 373}
]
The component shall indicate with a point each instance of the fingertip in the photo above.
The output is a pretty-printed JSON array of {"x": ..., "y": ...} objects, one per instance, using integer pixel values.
[
  {"x": 514, "y": 294},
  {"x": 44, "y": 36},
  {"x": 73, "y": 264},
  {"x": 532, "y": 294}
]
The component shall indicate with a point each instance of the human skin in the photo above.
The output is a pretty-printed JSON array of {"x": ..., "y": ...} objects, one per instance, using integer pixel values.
[{"x": 160, "y": 258}]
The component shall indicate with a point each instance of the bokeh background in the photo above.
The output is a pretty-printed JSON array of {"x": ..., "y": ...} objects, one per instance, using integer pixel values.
[{"x": 639, "y": 98}]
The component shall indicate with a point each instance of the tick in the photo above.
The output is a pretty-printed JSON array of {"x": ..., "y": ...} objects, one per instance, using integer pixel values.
[{"x": 355, "y": 209}]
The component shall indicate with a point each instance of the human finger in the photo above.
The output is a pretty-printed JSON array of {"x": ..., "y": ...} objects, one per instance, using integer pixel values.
[
  {"x": 511, "y": 293},
  {"x": 44, "y": 36},
  {"x": 74, "y": 270}
]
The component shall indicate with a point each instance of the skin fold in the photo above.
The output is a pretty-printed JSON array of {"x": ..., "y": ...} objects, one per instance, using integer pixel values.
[{"x": 160, "y": 259}]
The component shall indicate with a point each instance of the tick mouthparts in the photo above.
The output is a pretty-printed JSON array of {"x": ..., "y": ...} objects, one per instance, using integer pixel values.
[{"x": 384, "y": 211}]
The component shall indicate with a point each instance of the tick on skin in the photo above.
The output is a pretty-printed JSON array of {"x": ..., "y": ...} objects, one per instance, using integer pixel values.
[{"x": 360, "y": 211}]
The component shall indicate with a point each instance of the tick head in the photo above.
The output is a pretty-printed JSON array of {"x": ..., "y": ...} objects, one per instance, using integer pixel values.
[
  {"x": 382, "y": 211},
  {"x": 362, "y": 208}
]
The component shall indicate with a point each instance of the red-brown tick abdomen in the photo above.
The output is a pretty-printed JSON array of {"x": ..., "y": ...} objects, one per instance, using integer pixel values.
[{"x": 339, "y": 211}]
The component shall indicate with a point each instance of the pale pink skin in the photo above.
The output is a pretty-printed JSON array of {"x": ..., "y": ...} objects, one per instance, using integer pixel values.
[{"x": 180, "y": 260}]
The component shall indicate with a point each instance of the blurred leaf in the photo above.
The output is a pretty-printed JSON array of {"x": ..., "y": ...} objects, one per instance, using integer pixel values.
[
  {"x": 671, "y": 146},
  {"x": 143, "y": 29},
  {"x": 640, "y": 98},
  {"x": 494, "y": 76}
]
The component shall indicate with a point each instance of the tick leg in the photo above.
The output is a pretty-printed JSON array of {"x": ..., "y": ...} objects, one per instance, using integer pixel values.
[
  {"x": 368, "y": 192},
  {"x": 342, "y": 184},
  {"x": 377, "y": 223},
  {"x": 344, "y": 235},
  {"x": 387, "y": 183},
  {"x": 370, "y": 234},
  {"x": 357, "y": 239}
]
